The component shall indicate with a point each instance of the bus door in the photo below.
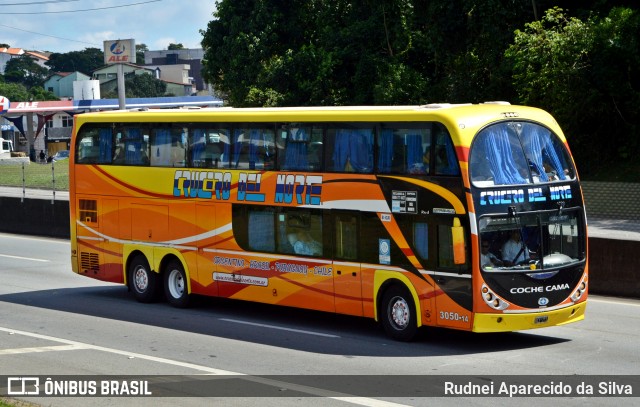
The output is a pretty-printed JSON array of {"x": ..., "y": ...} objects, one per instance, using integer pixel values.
[
  {"x": 347, "y": 277},
  {"x": 453, "y": 275}
]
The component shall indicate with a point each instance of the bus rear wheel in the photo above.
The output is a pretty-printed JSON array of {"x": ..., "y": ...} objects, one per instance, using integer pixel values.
[
  {"x": 175, "y": 285},
  {"x": 143, "y": 281},
  {"x": 398, "y": 314}
]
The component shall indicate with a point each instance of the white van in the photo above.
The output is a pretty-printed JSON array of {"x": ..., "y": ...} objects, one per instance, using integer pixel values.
[{"x": 6, "y": 146}]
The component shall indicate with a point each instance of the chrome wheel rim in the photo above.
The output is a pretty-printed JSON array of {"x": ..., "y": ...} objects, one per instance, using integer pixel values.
[
  {"x": 175, "y": 284},
  {"x": 140, "y": 279},
  {"x": 399, "y": 312}
]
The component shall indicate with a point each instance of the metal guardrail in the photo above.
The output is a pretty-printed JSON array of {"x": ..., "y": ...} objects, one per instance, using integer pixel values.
[{"x": 33, "y": 179}]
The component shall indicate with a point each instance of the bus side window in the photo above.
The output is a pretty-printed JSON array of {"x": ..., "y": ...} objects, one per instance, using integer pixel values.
[
  {"x": 167, "y": 149},
  {"x": 105, "y": 141},
  {"x": 304, "y": 232},
  {"x": 350, "y": 150},
  {"x": 261, "y": 230},
  {"x": 300, "y": 147},
  {"x": 253, "y": 149},
  {"x": 446, "y": 162},
  {"x": 161, "y": 148},
  {"x": 118, "y": 152},
  {"x": 136, "y": 149},
  {"x": 404, "y": 150},
  {"x": 421, "y": 239},
  {"x": 94, "y": 146}
]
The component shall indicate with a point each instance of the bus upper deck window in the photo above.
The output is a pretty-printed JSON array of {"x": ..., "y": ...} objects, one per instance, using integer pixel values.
[
  {"x": 350, "y": 150},
  {"x": 512, "y": 153}
]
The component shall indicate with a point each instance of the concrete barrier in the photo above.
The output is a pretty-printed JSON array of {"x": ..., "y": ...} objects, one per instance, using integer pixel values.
[
  {"x": 34, "y": 217},
  {"x": 611, "y": 269}
]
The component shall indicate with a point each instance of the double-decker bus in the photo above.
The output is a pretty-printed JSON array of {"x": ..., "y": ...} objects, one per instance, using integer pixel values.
[{"x": 461, "y": 216}]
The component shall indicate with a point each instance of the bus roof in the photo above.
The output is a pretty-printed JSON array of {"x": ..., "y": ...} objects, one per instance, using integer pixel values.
[{"x": 463, "y": 119}]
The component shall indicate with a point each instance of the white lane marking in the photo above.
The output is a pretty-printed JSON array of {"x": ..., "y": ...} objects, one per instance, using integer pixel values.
[
  {"x": 17, "y": 351},
  {"x": 367, "y": 402},
  {"x": 363, "y": 401},
  {"x": 279, "y": 328},
  {"x": 24, "y": 258},
  {"x": 124, "y": 353}
]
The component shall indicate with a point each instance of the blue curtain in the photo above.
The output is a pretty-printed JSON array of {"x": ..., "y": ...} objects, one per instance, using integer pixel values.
[
  {"x": 237, "y": 147},
  {"x": 106, "y": 146},
  {"x": 341, "y": 150},
  {"x": 197, "y": 146},
  {"x": 355, "y": 147},
  {"x": 226, "y": 148},
  {"x": 552, "y": 154},
  {"x": 538, "y": 144},
  {"x": 254, "y": 139},
  {"x": 414, "y": 154},
  {"x": 161, "y": 149},
  {"x": 361, "y": 150},
  {"x": 133, "y": 147},
  {"x": 385, "y": 153},
  {"x": 452, "y": 161},
  {"x": 533, "y": 150},
  {"x": 500, "y": 157},
  {"x": 295, "y": 155},
  {"x": 421, "y": 239}
]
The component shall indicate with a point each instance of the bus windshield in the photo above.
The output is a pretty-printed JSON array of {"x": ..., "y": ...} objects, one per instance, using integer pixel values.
[
  {"x": 511, "y": 153},
  {"x": 532, "y": 241}
]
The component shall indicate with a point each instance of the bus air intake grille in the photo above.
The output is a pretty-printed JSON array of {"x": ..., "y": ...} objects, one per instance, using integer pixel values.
[
  {"x": 89, "y": 262},
  {"x": 88, "y": 211}
]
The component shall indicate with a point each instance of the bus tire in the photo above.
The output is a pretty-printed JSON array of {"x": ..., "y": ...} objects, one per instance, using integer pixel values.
[
  {"x": 398, "y": 313},
  {"x": 175, "y": 284},
  {"x": 143, "y": 281}
]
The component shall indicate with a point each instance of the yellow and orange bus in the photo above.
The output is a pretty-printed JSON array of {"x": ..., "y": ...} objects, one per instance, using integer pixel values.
[{"x": 461, "y": 216}]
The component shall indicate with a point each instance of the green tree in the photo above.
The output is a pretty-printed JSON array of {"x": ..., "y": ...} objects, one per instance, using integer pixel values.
[
  {"x": 39, "y": 93},
  {"x": 296, "y": 52},
  {"x": 144, "y": 86},
  {"x": 173, "y": 46},
  {"x": 17, "y": 92},
  {"x": 14, "y": 91},
  {"x": 585, "y": 73},
  {"x": 85, "y": 61},
  {"x": 140, "y": 50},
  {"x": 26, "y": 71}
]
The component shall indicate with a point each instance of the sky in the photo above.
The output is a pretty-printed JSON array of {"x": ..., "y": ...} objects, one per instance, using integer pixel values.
[{"x": 72, "y": 25}]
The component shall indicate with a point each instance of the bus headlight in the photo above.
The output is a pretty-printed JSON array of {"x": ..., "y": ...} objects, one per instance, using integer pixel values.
[
  {"x": 582, "y": 288},
  {"x": 492, "y": 300}
]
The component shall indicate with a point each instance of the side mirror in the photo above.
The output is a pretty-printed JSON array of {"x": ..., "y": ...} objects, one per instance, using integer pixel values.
[{"x": 457, "y": 238}]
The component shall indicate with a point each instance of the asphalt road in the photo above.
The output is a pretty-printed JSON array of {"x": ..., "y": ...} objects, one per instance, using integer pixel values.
[{"x": 53, "y": 323}]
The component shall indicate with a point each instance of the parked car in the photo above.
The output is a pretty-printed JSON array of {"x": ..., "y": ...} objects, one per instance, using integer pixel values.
[{"x": 61, "y": 155}]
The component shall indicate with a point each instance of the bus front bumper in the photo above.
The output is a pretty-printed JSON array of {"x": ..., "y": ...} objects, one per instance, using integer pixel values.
[{"x": 507, "y": 322}]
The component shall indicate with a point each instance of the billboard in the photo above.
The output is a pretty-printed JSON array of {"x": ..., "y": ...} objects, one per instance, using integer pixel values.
[
  {"x": 4, "y": 104},
  {"x": 120, "y": 51}
]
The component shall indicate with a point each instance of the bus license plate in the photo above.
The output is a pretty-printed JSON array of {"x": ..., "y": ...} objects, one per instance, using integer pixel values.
[{"x": 541, "y": 320}]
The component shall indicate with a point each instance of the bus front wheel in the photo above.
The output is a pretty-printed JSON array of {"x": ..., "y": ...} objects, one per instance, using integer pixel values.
[
  {"x": 143, "y": 281},
  {"x": 175, "y": 284},
  {"x": 398, "y": 314}
]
